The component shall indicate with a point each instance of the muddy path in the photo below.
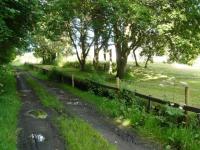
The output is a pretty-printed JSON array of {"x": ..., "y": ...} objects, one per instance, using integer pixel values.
[
  {"x": 35, "y": 133},
  {"x": 122, "y": 138}
]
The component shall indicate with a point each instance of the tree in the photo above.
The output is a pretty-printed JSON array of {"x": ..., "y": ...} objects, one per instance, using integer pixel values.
[
  {"x": 110, "y": 70},
  {"x": 48, "y": 50},
  {"x": 16, "y": 19},
  {"x": 101, "y": 28},
  {"x": 179, "y": 22},
  {"x": 154, "y": 44},
  {"x": 73, "y": 17},
  {"x": 126, "y": 18}
]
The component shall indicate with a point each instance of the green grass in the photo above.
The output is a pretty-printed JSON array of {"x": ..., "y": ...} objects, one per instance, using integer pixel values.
[
  {"x": 77, "y": 133},
  {"x": 158, "y": 80},
  {"x": 109, "y": 107},
  {"x": 9, "y": 109},
  {"x": 165, "y": 81},
  {"x": 80, "y": 136},
  {"x": 149, "y": 125},
  {"x": 186, "y": 138},
  {"x": 45, "y": 97}
]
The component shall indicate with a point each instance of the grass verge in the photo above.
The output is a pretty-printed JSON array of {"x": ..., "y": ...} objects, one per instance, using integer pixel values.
[
  {"x": 9, "y": 109},
  {"x": 76, "y": 133}
]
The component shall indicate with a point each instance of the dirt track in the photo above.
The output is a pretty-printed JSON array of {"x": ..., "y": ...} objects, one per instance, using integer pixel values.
[
  {"x": 30, "y": 127},
  {"x": 122, "y": 138}
]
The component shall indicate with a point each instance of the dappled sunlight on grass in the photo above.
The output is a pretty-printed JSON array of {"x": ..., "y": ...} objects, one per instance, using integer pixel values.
[
  {"x": 123, "y": 122},
  {"x": 119, "y": 119},
  {"x": 153, "y": 77},
  {"x": 126, "y": 122}
]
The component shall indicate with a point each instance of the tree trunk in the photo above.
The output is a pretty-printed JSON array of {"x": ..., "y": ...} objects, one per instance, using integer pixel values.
[
  {"x": 82, "y": 65},
  {"x": 146, "y": 63},
  {"x": 96, "y": 49},
  {"x": 43, "y": 60},
  {"x": 135, "y": 57},
  {"x": 122, "y": 52},
  {"x": 104, "y": 56},
  {"x": 110, "y": 62},
  {"x": 121, "y": 67},
  {"x": 96, "y": 59}
]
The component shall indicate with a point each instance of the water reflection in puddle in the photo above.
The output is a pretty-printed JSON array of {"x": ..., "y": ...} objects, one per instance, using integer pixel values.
[
  {"x": 26, "y": 91},
  {"x": 37, "y": 138},
  {"x": 73, "y": 103}
]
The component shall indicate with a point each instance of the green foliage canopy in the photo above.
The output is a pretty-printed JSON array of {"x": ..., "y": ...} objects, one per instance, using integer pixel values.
[{"x": 16, "y": 19}]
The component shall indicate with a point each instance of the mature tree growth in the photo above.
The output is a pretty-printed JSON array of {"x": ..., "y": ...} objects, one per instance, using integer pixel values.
[
  {"x": 73, "y": 17},
  {"x": 179, "y": 22},
  {"x": 129, "y": 20},
  {"x": 101, "y": 28},
  {"x": 126, "y": 23},
  {"x": 16, "y": 18},
  {"x": 153, "y": 45}
]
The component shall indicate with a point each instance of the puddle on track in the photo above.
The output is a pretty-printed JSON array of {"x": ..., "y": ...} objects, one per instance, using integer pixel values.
[
  {"x": 37, "y": 138},
  {"x": 73, "y": 103},
  {"x": 37, "y": 114},
  {"x": 26, "y": 91}
]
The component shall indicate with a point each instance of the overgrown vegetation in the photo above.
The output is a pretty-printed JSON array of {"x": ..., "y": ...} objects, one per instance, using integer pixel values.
[
  {"x": 163, "y": 123},
  {"x": 77, "y": 133},
  {"x": 9, "y": 109}
]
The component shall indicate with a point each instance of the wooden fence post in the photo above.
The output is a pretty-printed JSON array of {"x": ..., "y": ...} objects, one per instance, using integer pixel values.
[
  {"x": 186, "y": 95},
  {"x": 72, "y": 80},
  {"x": 186, "y": 102},
  {"x": 149, "y": 104},
  {"x": 118, "y": 83}
]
